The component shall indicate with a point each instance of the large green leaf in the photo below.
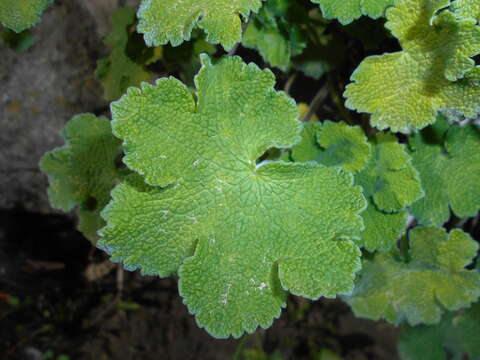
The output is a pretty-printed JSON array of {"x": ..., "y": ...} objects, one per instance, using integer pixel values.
[
  {"x": 238, "y": 234},
  {"x": 435, "y": 71}
]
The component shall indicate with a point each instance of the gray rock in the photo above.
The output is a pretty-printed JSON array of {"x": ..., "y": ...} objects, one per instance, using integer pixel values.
[{"x": 43, "y": 88}]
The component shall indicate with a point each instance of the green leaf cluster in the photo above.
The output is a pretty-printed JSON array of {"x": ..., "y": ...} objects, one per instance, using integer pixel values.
[{"x": 382, "y": 167}]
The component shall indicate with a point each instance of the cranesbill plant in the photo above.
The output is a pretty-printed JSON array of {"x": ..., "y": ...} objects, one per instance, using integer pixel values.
[{"x": 229, "y": 188}]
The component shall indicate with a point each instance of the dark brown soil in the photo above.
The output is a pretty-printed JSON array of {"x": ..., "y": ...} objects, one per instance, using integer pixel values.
[{"x": 43, "y": 264}]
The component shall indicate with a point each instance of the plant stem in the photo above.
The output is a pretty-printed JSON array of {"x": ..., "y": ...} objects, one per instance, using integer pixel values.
[
  {"x": 288, "y": 84},
  {"x": 338, "y": 101},
  {"x": 239, "y": 349},
  {"x": 316, "y": 102}
]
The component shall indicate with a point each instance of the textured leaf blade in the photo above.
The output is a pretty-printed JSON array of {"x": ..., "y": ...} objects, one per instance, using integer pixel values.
[
  {"x": 434, "y": 72},
  {"x": 216, "y": 212},
  {"x": 382, "y": 229},
  {"x": 344, "y": 146},
  {"x": 333, "y": 144},
  {"x": 441, "y": 34},
  {"x": 390, "y": 178}
]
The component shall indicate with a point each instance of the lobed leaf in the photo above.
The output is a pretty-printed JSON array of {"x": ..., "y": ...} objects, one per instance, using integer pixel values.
[
  {"x": 389, "y": 177},
  {"x": 238, "y": 234},
  {"x": 448, "y": 162},
  {"x": 382, "y": 167},
  {"x": 382, "y": 229},
  {"x": 163, "y": 21},
  {"x": 435, "y": 71},
  {"x": 333, "y": 144},
  {"x": 83, "y": 172},
  {"x": 19, "y": 15},
  {"x": 344, "y": 146},
  {"x": 418, "y": 290},
  {"x": 390, "y": 183}
]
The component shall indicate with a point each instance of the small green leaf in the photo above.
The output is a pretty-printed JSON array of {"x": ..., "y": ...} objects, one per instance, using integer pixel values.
[
  {"x": 277, "y": 32},
  {"x": 238, "y": 234},
  {"x": 17, "y": 41},
  {"x": 307, "y": 149},
  {"x": 420, "y": 289},
  {"x": 83, "y": 172},
  {"x": 333, "y": 144},
  {"x": 382, "y": 229},
  {"x": 118, "y": 71},
  {"x": 163, "y": 21},
  {"x": 389, "y": 181},
  {"x": 458, "y": 332},
  {"x": 405, "y": 90},
  {"x": 19, "y": 15},
  {"x": 345, "y": 146},
  {"x": 448, "y": 161},
  {"x": 390, "y": 178},
  {"x": 348, "y": 10}
]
